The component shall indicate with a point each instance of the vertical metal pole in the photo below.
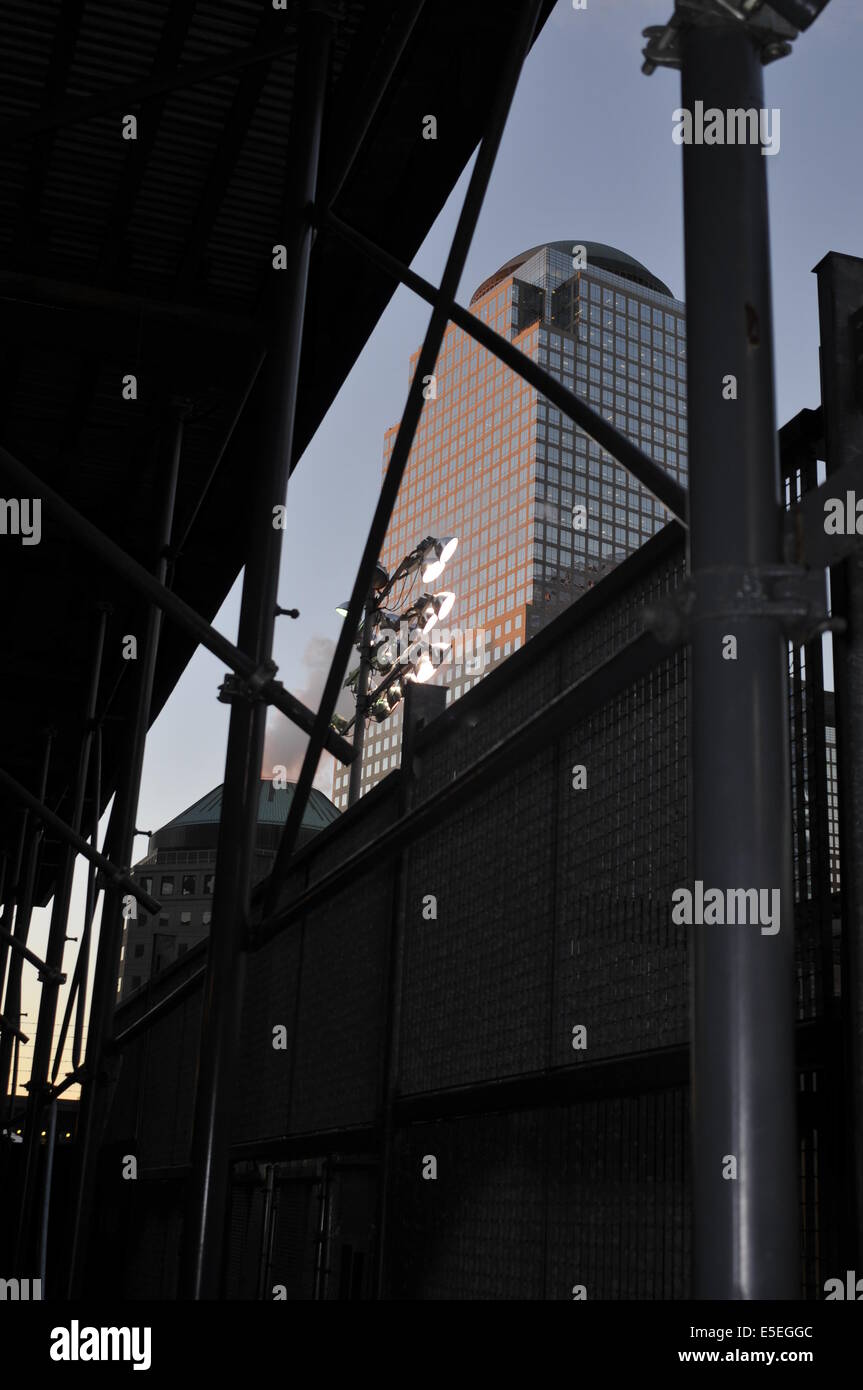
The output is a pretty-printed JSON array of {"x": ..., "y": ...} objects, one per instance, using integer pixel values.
[
  {"x": 422, "y": 704},
  {"x": 55, "y": 949},
  {"x": 24, "y": 895},
  {"x": 15, "y": 1057},
  {"x": 120, "y": 838},
  {"x": 203, "y": 1236},
  {"x": 356, "y": 776},
  {"x": 13, "y": 892},
  {"x": 51, "y": 1139},
  {"x": 743, "y": 1075},
  {"x": 267, "y": 1231}
]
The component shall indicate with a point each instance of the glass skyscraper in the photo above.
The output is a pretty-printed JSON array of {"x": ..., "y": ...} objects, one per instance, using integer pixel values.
[{"x": 495, "y": 465}]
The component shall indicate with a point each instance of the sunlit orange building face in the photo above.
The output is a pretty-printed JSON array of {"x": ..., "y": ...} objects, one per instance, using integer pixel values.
[{"x": 495, "y": 465}]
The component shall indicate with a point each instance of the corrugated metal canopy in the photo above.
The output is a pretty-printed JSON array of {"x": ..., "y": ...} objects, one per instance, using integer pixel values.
[{"x": 152, "y": 256}]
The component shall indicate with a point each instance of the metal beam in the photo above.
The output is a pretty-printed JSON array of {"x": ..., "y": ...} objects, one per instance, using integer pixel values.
[
  {"x": 259, "y": 677},
  {"x": 44, "y": 969},
  {"x": 24, "y": 895},
  {"x": 27, "y": 1242},
  {"x": 7, "y": 1026},
  {"x": 525, "y": 26},
  {"x": 64, "y": 832},
  {"x": 743, "y": 1079},
  {"x": 203, "y": 1233},
  {"x": 656, "y": 479},
  {"x": 120, "y": 838}
]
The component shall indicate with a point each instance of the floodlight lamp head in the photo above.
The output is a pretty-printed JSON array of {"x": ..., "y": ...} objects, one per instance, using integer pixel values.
[
  {"x": 382, "y": 654},
  {"x": 443, "y": 603},
  {"x": 436, "y": 557},
  {"x": 424, "y": 669},
  {"x": 387, "y": 622}
]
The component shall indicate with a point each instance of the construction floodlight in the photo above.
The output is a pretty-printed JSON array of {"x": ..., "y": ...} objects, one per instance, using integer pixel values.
[
  {"x": 424, "y": 669},
  {"x": 437, "y": 556},
  {"x": 429, "y": 609},
  {"x": 382, "y": 654}
]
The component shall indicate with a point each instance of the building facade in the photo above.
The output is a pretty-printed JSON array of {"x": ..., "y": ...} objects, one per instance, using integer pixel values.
[
  {"x": 495, "y": 465},
  {"x": 180, "y": 871}
]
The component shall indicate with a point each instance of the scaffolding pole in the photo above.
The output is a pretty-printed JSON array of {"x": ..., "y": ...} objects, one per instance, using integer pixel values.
[
  {"x": 24, "y": 896},
  {"x": 27, "y": 1252},
  {"x": 261, "y": 676},
  {"x": 223, "y": 987},
  {"x": 528, "y": 16},
  {"x": 743, "y": 1073},
  {"x": 119, "y": 841}
]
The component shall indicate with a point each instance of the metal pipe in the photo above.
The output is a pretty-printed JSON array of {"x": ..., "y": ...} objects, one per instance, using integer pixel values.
[
  {"x": 356, "y": 774},
  {"x": 13, "y": 1028},
  {"x": 78, "y": 992},
  {"x": 12, "y": 999},
  {"x": 15, "y": 945},
  {"x": 422, "y": 703},
  {"x": 83, "y": 531},
  {"x": 743, "y": 1073},
  {"x": 111, "y": 870},
  {"x": 267, "y": 1233},
  {"x": 203, "y": 1235},
  {"x": 13, "y": 892},
  {"x": 54, "y": 953},
  {"x": 527, "y": 17},
  {"x": 19, "y": 1038},
  {"x": 120, "y": 838},
  {"x": 51, "y": 1139},
  {"x": 641, "y": 466},
  {"x": 322, "y": 1238}
]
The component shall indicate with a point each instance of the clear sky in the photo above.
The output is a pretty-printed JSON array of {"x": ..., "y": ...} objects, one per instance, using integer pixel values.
[{"x": 587, "y": 154}]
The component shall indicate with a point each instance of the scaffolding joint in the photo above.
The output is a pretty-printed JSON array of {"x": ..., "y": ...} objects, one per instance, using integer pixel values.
[
  {"x": 769, "y": 31},
  {"x": 252, "y": 688},
  {"x": 790, "y": 594}
]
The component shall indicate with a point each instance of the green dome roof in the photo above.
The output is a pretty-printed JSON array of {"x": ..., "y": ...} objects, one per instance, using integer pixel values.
[{"x": 273, "y": 806}]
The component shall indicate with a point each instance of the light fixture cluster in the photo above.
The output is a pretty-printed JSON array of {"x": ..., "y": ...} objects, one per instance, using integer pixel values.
[{"x": 381, "y": 654}]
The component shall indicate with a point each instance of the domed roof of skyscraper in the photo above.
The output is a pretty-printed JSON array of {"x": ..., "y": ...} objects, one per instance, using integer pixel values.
[
  {"x": 273, "y": 806},
  {"x": 597, "y": 254}
]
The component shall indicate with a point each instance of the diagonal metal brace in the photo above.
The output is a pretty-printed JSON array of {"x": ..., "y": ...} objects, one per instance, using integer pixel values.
[
  {"x": 790, "y": 593},
  {"x": 7, "y": 1026},
  {"x": 46, "y": 972}
]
